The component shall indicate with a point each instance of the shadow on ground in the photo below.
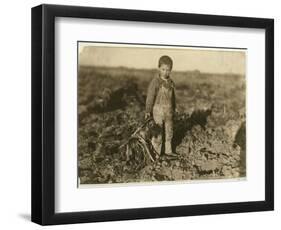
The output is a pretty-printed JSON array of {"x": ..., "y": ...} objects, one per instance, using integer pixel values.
[
  {"x": 25, "y": 216},
  {"x": 184, "y": 122}
]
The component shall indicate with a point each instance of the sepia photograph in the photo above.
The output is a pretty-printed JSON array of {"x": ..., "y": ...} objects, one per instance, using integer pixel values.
[{"x": 160, "y": 113}]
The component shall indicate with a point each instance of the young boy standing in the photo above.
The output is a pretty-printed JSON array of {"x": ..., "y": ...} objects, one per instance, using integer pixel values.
[{"x": 160, "y": 104}]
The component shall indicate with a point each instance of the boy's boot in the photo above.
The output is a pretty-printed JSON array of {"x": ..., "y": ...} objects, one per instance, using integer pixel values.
[{"x": 168, "y": 149}]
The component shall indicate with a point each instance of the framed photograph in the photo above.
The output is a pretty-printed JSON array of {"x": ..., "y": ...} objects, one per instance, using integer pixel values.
[{"x": 143, "y": 114}]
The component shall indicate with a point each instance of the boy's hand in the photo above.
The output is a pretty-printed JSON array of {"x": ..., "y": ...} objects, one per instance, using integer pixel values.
[{"x": 147, "y": 115}]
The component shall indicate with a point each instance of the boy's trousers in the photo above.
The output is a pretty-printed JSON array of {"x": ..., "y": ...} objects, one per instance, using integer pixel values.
[{"x": 163, "y": 116}]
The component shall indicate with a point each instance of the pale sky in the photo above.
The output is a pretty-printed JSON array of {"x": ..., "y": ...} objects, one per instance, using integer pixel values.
[{"x": 146, "y": 57}]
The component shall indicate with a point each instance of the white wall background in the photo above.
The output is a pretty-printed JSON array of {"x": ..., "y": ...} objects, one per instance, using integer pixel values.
[{"x": 15, "y": 119}]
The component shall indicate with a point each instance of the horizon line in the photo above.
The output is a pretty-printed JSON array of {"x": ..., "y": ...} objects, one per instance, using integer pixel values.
[{"x": 153, "y": 69}]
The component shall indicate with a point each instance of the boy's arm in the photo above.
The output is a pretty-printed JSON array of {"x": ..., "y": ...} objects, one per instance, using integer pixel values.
[{"x": 151, "y": 93}]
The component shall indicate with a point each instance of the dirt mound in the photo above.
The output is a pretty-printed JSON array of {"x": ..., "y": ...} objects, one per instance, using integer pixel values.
[{"x": 204, "y": 152}]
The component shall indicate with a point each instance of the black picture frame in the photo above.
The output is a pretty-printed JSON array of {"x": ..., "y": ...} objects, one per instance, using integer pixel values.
[{"x": 43, "y": 114}]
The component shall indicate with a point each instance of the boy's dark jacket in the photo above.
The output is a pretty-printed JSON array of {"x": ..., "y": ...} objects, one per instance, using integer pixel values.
[{"x": 153, "y": 89}]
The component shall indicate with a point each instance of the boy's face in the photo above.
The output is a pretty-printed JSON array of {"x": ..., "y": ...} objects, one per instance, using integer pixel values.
[{"x": 164, "y": 71}]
